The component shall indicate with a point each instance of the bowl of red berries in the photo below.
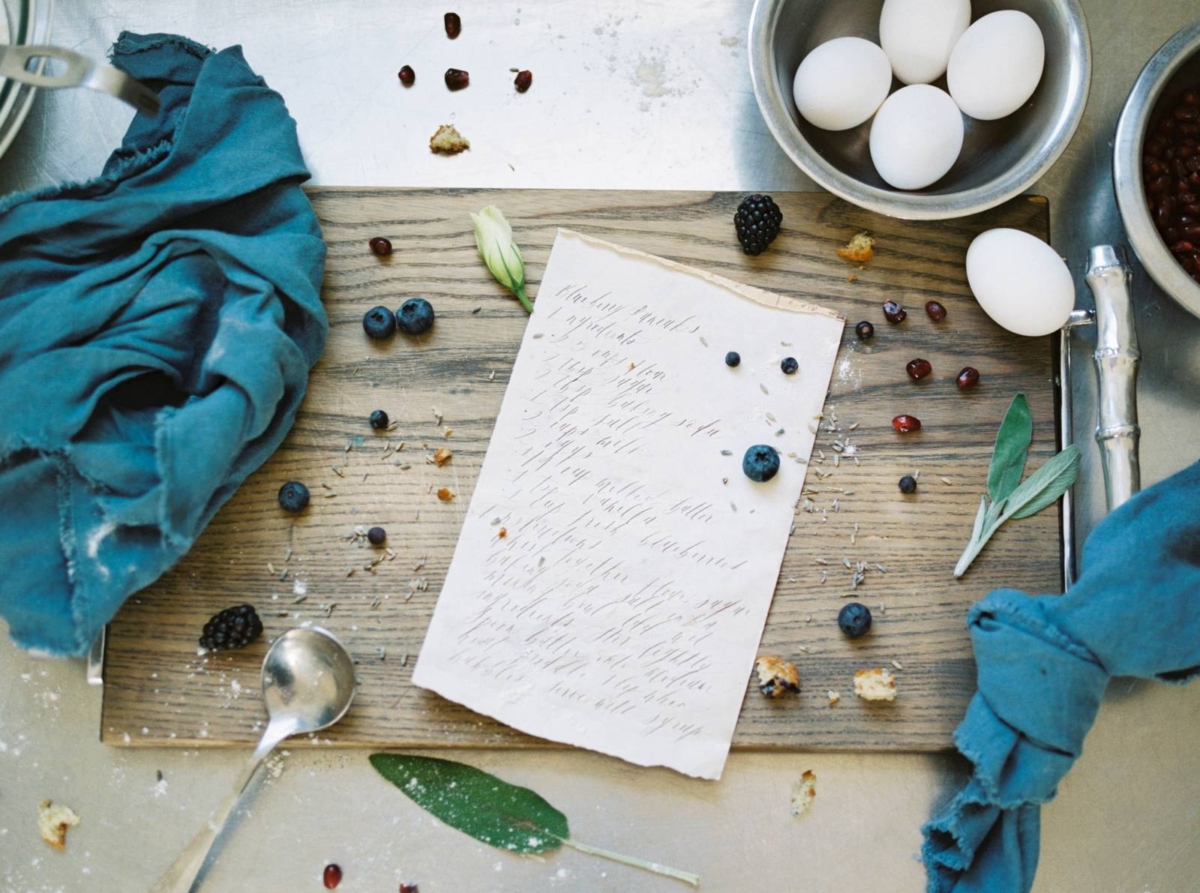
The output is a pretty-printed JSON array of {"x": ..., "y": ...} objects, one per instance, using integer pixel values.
[{"x": 1156, "y": 167}]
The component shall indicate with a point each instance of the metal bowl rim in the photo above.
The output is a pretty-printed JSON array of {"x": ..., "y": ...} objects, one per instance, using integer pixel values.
[
  {"x": 1127, "y": 168},
  {"x": 916, "y": 206}
]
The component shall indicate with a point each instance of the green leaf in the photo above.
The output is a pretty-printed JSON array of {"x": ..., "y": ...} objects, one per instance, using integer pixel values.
[
  {"x": 490, "y": 810},
  {"x": 1012, "y": 448},
  {"x": 1046, "y": 485}
]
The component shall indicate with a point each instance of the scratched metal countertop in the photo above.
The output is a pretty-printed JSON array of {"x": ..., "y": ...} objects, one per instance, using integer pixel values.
[{"x": 627, "y": 94}]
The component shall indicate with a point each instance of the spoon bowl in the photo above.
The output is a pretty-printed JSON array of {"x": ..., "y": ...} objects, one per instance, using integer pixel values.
[{"x": 307, "y": 680}]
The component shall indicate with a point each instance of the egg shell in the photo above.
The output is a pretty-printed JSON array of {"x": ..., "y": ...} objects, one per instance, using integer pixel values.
[
  {"x": 916, "y": 136},
  {"x": 841, "y": 83},
  {"x": 996, "y": 65},
  {"x": 919, "y": 36},
  {"x": 1020, "y": 282}
]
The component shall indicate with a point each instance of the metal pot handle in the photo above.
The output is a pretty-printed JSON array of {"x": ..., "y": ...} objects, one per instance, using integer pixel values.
[{"x": 1117, "y": 358}]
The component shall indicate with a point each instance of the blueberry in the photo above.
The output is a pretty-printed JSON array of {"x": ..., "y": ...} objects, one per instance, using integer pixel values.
[
  {"x": 733, "y": 359},
  {"x": 854, "y": 619},
  {"x": 415, "y": 316},
  {"x": 376, "y": 536},
  {"x": 293, "y": 496},
  {"x": 761, "y": 463},
  {"x": 789, "y": 365},
  {"x": 379, "y": 420},
  {"x": 379, "y": 322},
  {"x": 865, "y": 331},
  {"x": 908, "y": 484}
]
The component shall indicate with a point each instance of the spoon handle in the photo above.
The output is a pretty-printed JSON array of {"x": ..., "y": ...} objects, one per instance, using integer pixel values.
[{"x": 182, "y": 874}]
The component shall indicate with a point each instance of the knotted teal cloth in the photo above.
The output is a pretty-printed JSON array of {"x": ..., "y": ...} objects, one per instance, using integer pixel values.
[
  {"x": 1043, "y": 666},
  {"x": 157, "y": 325}
]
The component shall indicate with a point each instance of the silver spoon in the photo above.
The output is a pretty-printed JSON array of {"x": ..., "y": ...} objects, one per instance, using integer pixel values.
[{"x": 307, "y": 684}]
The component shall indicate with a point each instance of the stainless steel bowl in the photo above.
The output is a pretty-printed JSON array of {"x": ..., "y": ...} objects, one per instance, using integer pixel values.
[
  {"x": 1174, "y": 68},
  {"x": 999, "y": 158}
]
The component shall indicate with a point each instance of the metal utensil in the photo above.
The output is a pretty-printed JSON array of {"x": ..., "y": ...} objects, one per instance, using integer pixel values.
[
  {"x": 1116, "y": 358},
  {"x": 999, "y": 159},
  {"x": 78, "y": 71},
  {"x": 308, "y": 684}
]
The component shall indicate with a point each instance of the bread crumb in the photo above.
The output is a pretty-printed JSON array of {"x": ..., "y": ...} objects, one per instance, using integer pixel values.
[
  {"x": 445, "y": 494},
  {"x": 803, "y": 792},
  {"x": 858, "y": 250},
  {"x": 441, "y": 457},
  {"x": 448, "y": 141},
  {"x": 53, "y": 822},
  {"x": 834, "y": 697},
  {"x": 502, "y": 532},
  {"x": 875, "y": 685},
  {"x": 853, "y": 277},
  {"x": 776, "y": 677}
]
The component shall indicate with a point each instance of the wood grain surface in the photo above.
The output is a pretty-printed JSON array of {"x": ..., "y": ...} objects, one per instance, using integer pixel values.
[{"x": 444, "y": 390}]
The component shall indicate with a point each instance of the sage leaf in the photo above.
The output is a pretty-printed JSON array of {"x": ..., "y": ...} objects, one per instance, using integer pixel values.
[
  {"x": 490, "y": 810},
  {"x": 1046, "y": 485},
  {"x": 1009, "y": 497},
  {"x": 1011, "y": 450},
  {"x": 493, "y": 811}
]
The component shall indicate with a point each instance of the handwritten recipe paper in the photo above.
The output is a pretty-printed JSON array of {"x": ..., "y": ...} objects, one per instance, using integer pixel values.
[{"x": 615, "y": 566}]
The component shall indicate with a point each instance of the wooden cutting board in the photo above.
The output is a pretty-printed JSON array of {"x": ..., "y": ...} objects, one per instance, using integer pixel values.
[{"x": 444, "y": 390}]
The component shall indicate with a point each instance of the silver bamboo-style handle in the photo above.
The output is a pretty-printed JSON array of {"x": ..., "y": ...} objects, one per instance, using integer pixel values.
[{"x": 1117, "y": 358}]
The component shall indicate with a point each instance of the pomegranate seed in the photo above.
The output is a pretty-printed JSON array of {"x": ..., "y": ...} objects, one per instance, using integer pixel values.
[
  {"x": 380, "y": 246},
  {"x": 894, "y": 313},
  {"x": 332, "y": 876},
  {"x": 456, "y": 78},
  {"x": 523, "y": 80},
  {"x": 906, "y": 424},
  {"x": 453, "y": 25},
  {"x": 918, "y": 369},
  {"x": 935, "y": 310},
  {"x": 407, "y": 76},
  {"x": 968, "y": 378},
  {"x": 409, "y": 888}
]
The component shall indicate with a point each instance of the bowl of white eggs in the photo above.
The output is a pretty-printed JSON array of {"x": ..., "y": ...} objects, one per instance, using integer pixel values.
[{"x": 921, "y": 109}]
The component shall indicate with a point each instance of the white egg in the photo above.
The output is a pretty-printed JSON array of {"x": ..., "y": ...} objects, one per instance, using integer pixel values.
[
  {"x": 996, "y": 65},
  {"x": 916, "y": 136},
  {"x": 1020, "y": 282},
  {"x": 919, "y": 35},
  {"x": 842, "y": 82}
]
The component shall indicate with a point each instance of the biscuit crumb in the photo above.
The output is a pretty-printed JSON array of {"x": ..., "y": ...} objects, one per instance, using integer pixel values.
[
  {"x": 53, "y": 822},
  {"x": 859, "y": 250},
  {"x": 875, "y": 685},
  {"x": 803, "y": 792},
  {"x": 502, "y": 532},
  {"x": 853, "y": 277},
  {"x": 834, "y": 697},
  {"x": 445, "y": 494},
  {"x": 776, "y": 677},
  {"x": 448, "y": 141},
  {"x": 441, "y": 457}
]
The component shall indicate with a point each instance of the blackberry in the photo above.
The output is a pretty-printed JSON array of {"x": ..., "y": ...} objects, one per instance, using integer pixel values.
[
  {"x": 757, "y": 221},
  {"x": 293, "y": 496},
  {"x": 231, "y": 628}
]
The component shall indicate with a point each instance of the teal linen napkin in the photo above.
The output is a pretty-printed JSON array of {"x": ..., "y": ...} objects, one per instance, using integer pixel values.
[
  {"x": 1043, "y": 665},
  {"x": 157, "y": 325}
]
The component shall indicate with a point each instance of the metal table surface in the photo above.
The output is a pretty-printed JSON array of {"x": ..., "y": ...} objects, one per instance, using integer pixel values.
[{"x": 626, "y": 94}]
